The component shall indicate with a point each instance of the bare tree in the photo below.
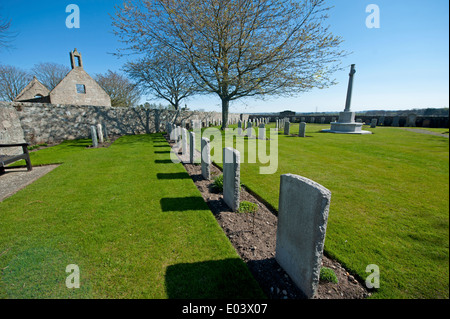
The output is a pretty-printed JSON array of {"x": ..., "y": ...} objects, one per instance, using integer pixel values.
[
  {"x": 163, "y": 75},
  {"x": 50, "y": 74},
  {"x": 238, "y": 48},
  {"x": 5, "y": 34},
  {"x": 119, "y": 88},
  {"x": 12, "y": 81}
]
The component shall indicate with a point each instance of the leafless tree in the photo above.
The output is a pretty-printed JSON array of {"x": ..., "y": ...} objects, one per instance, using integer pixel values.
[
  {"x": 5, "y": 34},
  {"x": 50, "y": 74},
  {"x": 238, "y": 48},
  {"x": 121, "y": 90},
  {"x": 12, "y": 81},
  {"x": 163, "y": 75}
]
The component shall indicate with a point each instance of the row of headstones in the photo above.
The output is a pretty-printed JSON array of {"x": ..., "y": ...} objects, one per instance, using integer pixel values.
[
  {"x": 244, "y": 126},
  {"x": 177, "y": 134},
  {"x": 258, "y": 120},
  {"x": 98, "y": 134},
  {"x": 195, "y": 124},
  {"x": 410, "y": 121},
  {"x": 287, "y": 127},
  {"x": 322, "y": 120},
  {"x": 302, "y": 217}
]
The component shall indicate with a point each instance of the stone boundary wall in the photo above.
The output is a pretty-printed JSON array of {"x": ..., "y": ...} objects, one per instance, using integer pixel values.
[
  {"x": 53, "y": 123},
  {"x": 388, "y": 120},
  {"x": 10, "y": 131}
]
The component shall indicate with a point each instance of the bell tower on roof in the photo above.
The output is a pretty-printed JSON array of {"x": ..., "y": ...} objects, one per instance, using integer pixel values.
[{"x": 75, "y": 59}]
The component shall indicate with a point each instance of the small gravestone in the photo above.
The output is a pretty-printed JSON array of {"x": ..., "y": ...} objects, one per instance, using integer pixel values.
[
  {"x": 205, "y": 158},
  {"x": 313, "y": 119},
  {"x": 105, "y": 130},
  {"x": 157, "y": 121},
  {"x": 287, "y": 128},
  {"x": 94, "y": 136},
  {"x": 240, "y": 128},
  {"x": 179, "y": 133},
  {"x": 249, "y": 129},
  {"x": 100, "y": 133},
  {"x": 184, "y": 147},
  {"x": 173, "y": 132},
  {"x": 322, "y": 120},
  {"x": 262, "y": 131},
  {"x": 411, "y": 120},
  {"x": 301, "y": 229},
  {"x": 192, "y": 147},
  {"x": 231, "y": 178},
  {"x": 396, "y": 121},
  {"x": 302, "y": 129},
  {"x": 373, "y": 123}
]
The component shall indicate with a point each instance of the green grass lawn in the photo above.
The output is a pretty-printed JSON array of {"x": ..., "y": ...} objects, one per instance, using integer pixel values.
[
  {"x": 436, "y": 130},
  {"x": 389, "y": 204},
  {"x": 133, "y": 222},
  {"x": 137, "y": 226}
]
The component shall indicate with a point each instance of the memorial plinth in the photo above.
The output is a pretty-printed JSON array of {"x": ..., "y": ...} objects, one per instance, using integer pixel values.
[{"x": 346, "y": 125}]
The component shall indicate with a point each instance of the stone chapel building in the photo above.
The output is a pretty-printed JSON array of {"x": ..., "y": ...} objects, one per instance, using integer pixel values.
[{"x": 77, "y": 88}]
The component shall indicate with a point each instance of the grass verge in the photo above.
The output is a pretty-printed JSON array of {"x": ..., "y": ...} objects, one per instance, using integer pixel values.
[{"x": 133, "y": 222}]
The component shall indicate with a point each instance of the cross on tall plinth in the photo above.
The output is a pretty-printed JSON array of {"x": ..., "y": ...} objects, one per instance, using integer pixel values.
[{"x": 346, "y": 123}]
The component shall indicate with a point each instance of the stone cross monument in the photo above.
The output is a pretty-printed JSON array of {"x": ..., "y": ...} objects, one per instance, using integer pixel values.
[
  {"x": 346, "y": 123},
  {"x": 348, "y": 102}
]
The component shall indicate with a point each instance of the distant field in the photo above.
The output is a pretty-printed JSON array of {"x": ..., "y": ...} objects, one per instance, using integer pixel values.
[{"x": 389, "y": 205}]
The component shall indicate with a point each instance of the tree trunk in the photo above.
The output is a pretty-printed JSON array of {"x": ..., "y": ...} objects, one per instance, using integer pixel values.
[
  {"x": 177, "y": 112},
  {"x": 225, "y": 106}
]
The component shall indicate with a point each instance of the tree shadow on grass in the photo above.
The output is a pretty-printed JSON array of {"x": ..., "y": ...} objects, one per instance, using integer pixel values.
[
  {"x": 214, "y": 279},
  {"x": 163, "y": 161},
  {"x": 183, "y": 175},
  {"x": 76, "y": 143},
  {"x": 162, "y": 152},
  {"x": 299, "y": 136},
  {"x": 172, "y": 204}
]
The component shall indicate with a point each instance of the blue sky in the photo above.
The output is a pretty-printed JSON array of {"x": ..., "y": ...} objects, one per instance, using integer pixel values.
[{"x": 403, "y": 64}]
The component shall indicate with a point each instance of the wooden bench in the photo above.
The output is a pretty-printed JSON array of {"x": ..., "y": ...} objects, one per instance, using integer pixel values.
[{"x": 8, "y": 159}]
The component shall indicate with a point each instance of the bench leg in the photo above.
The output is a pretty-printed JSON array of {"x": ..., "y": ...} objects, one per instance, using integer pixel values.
[
  {"x": 29, "y": 167},
  {"x": 27, "y": 160}
]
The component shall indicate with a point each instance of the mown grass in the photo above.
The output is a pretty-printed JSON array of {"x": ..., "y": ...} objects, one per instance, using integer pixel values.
[
  {"x": 436, "y": 130},
  {"x": 389, "y": 205},
  {"x": 133, "y": 222}
]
